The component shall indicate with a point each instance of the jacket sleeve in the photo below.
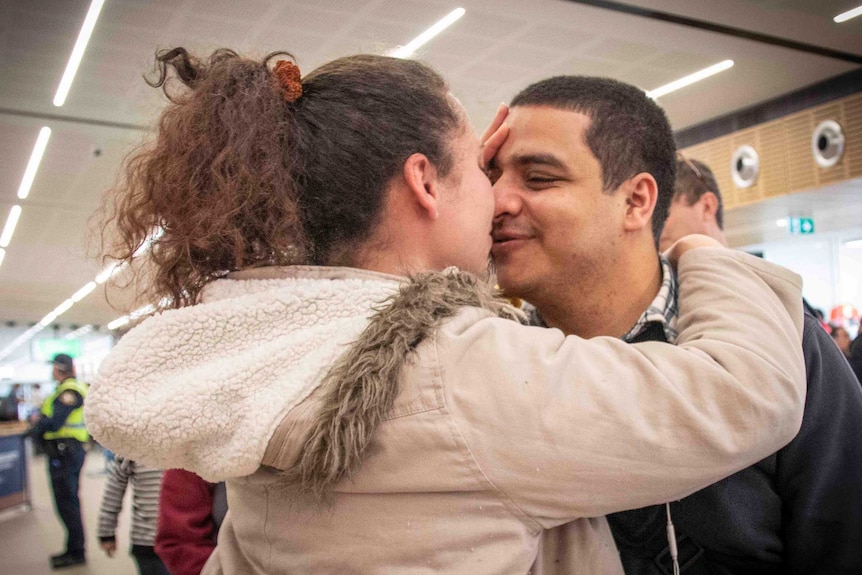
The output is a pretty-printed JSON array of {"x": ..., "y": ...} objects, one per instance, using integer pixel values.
[
  {"x": 112, "y": 499},
  {"x": 819, "y": 474},
  {"x": 186, "y": 533},
  {"x": 566, "y": 427}
]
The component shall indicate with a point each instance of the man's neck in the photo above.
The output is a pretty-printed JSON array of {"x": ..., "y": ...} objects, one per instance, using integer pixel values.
[{"x": 610, "y": 308}]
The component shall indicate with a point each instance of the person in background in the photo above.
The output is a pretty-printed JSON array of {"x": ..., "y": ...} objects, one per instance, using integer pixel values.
[
  {"x": 63, "y": 433},
  {"x": 35, "y": 400},
  {"x": 817, "y": 313},
  {"x": 841, "y": 338},
  {"x": 145, "y": 512},
  {"x": 191, "y": 512},
  {"x": 9, "y": 404},
  {"x": 800, "y": 508}
]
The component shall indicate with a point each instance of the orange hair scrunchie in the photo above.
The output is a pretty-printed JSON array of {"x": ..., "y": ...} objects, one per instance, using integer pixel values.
[{"x": 287, "y": 74}]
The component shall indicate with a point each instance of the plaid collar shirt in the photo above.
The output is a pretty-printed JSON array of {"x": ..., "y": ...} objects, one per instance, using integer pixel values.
[{"x": 663, "y": 309}]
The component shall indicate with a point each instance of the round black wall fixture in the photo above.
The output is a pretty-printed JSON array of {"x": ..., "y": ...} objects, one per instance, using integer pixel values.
[
  {"x": 827, "y": 143},
  {"x": 745, "y": 167}
]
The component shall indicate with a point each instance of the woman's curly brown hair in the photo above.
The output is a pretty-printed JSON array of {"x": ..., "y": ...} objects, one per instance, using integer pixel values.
[
  {"x": 217, "y": 179},
  {"x": 239, "y": 176}
]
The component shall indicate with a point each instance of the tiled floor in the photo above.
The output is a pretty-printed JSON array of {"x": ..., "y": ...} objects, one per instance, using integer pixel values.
[{"x": 29, "y": 538}]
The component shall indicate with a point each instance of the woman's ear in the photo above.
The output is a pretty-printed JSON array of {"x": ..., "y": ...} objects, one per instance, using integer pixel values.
[{"x": 422, "y": 181}]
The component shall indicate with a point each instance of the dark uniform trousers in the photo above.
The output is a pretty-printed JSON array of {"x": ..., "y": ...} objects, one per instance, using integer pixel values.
[{"x": 65, "y": 460}]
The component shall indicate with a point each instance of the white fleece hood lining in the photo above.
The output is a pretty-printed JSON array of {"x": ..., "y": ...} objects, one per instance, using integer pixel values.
[{"x": 240, "y": 360}]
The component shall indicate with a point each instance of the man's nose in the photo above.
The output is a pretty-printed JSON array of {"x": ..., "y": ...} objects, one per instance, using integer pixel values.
[{"x": 506, "y": 199}]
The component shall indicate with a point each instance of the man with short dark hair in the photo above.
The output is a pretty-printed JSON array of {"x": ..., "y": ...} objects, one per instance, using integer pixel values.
[
  {"x": 583, "y": 185},
  {"x": 61, "y": 426}
]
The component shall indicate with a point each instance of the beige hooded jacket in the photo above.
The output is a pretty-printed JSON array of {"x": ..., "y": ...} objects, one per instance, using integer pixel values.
[{"x": 496, "y": 432}]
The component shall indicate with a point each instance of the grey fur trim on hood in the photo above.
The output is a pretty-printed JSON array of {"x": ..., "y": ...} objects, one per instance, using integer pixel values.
[{"x": 360, "y": 388}]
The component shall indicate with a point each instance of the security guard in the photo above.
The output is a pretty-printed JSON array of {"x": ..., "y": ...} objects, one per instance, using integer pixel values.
[{"x": 61, "y": 427}]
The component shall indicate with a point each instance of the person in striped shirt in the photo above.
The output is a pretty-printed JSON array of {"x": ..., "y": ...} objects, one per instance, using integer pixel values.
[{"x": 146, "y": 483}]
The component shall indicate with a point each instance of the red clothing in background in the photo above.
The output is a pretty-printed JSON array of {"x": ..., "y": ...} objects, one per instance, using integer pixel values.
[{"x": 186, "y": 533}]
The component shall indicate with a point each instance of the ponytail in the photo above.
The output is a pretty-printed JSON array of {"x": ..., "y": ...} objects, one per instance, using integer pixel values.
[{"x": 219, "y": 178}]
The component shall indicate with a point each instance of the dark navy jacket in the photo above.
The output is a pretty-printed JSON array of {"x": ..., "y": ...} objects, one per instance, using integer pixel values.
[
  {"x": 797, "y": 511},
  {"x": 856, "y": 356}
]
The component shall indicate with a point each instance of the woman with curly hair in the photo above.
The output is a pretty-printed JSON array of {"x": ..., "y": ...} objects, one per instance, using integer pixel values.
[{"x": 332, "y": 347}]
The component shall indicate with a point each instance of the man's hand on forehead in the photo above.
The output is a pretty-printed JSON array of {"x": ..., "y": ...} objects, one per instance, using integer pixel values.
[{"x": 493, "y": 137}]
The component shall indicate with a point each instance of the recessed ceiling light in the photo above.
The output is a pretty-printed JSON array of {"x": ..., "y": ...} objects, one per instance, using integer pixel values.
[
  {"x": 9, "y": 228},
  {"x": 690, "y": 79},
  {"x": 844, "y": 16},
  {"x": 408, "y": 49},
  {"x": 33, "y": 164},
  {"x": 78, "y": 52},
  {"x": 83, "y": 292},
  {"x": 119, "y": 322},
  {"x": 782, "y": 223},
  {"x": 80, "y": 331},
  {"x": 113, "y": 269}
]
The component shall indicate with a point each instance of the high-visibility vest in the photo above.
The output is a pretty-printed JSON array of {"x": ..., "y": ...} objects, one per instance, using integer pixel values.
[{"x": 74, "y": 427}]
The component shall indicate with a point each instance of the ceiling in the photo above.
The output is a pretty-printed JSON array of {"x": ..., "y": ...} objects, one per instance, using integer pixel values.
[{"x": 498, "y": 47}]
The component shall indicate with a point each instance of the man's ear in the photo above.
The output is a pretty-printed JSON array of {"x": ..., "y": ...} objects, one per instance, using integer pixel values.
[
  {"x": 422, "y": 181},
  {"x": 641, "y": 194},
  {"x": 709, "y": 206}
]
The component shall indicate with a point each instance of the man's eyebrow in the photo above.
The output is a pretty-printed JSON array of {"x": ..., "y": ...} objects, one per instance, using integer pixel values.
[{"x": 541, "y": 159}]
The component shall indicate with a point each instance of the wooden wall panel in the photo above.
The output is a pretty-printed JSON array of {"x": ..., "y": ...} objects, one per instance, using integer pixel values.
[
  {"x": 800, "y": 164},
  {"x": 773, "y": 159},
  {"x": 787, "y": 165},
  {"x": 853, "y": 135}
]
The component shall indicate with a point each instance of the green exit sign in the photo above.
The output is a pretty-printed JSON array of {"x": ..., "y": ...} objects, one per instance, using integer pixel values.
[
  {"x": 46, "y": 348},
  {"x": 800, "y": 226}
]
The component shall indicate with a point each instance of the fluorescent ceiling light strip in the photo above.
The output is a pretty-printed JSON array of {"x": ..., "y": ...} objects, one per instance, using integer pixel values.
[
  {"x": 24, "y": 337},
  {"x": 58, "y": 311},
  {"x": 110, "y": 271},
  {"x": 844, "y": 16},
  {"x": 63, "y": 307},
  {"x": 148, "y": 243},
  {"x": 147, "y": 309},
  {"x": 78, "y": 52},
  {"x": 408, "y": 49},
  {"x": 119, "y": 322},
  {"x": 33, "y": 164},
  {"x": 9, "y": 228},
  {"x": 84, "y": 330},
  {"x": 2, "y": 255},
  {"x": 83, "y": 292},
  {"x": 690, "y": 79},
  {"x": 46, "y": 321},
  {"x": 140, "y": 312}
]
